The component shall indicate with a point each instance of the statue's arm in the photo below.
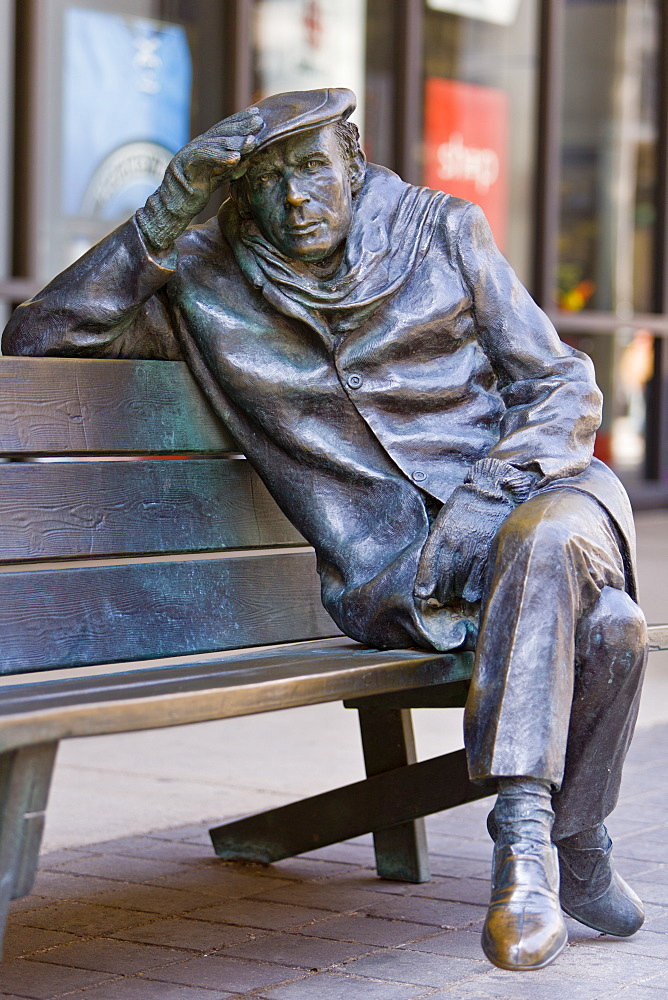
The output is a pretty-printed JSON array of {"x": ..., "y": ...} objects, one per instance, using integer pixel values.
[
  {"x": 553, "y": 408},
  {"x": 113, "y": 302},
  {"x": 553, "y": 405},
  {"x": 109, "y": 303}
]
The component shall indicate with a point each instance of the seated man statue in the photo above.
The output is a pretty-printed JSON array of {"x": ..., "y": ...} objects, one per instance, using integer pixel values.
[{"x": 415, "y": 415}]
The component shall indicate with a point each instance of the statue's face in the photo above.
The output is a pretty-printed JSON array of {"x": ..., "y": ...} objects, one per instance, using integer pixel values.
[{"x": 300, "y": 194}]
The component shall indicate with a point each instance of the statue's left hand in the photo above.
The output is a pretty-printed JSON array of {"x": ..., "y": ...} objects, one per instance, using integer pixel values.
[{"x": 453, "y": 560}]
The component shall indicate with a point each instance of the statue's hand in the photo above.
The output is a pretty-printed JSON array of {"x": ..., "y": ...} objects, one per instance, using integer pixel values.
[
  {"x": 454, "y": 558},
  {"x": 194, "y": 174}
]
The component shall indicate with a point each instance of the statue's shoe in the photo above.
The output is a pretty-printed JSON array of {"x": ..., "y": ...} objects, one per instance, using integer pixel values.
[
  {"x": 593, "y": 892},
  {"x": 524, "y": 928}
]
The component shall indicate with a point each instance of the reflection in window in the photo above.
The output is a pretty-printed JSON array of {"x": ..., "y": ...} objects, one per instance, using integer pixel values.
[
  {"x": 606, "y": 245},
  {"x": 308, "y": 44},
  {"x": 479, "y": 122}
]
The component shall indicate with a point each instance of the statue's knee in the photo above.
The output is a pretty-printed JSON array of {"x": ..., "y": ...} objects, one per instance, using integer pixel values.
[{"x": 616, "y": 622}]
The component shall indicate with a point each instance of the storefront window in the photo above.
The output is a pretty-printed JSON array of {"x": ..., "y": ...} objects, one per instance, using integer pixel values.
[
  {"x": 609, "y": 156},
  {"x": 480, "y": 112},
  {"x": 6, "y": 68},
  {"x": 116, "y": 101},
  {"x": 307, "y": 44},
  {"x": 606, "y": 253}
]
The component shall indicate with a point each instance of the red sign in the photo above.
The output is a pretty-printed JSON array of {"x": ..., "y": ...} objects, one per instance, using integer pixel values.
[{"x": 466, "y": 130}]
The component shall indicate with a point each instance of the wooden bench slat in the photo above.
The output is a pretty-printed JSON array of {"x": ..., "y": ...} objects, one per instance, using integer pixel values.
[
  {"x": 64, "y": 405},
  {"x": 237, "y": 684},
  {"x": 658, "y": 636},
  {"x": 75, "y": 509},
  {"x": 103, "y": 614}
]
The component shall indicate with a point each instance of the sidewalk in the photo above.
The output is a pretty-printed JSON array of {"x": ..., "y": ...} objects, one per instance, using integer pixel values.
[{"x": 153, "y": 915}]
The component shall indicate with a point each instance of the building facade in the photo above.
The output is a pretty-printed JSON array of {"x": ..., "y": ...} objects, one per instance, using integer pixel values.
[{"x": 551, "y": 114}]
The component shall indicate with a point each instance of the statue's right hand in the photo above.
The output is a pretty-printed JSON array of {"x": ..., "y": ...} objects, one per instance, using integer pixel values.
[{"x": 194, "y": 173}]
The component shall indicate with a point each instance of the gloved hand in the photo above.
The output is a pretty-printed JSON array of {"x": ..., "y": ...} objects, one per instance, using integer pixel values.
[
  {"x": 453, "y": 560},
  {"x": 193, "y": 175}
]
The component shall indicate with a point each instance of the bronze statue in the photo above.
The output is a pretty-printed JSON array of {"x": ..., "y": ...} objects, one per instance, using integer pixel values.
[{"x": 416, "y": 416}]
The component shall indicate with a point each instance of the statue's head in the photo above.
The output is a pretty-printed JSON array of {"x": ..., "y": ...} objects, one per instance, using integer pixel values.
[{"x": 302, "y": 176}]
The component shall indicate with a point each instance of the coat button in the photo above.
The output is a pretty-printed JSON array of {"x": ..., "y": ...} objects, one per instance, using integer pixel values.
[
  {"x": 354, "y": 381},
  {"x": 419, "y": 477}
]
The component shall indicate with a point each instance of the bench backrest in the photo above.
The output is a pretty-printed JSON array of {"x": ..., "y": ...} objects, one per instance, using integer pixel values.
[{"x": 108, "y": 551}]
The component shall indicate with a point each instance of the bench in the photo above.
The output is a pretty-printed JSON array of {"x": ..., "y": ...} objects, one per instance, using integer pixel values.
[{"x": 133, "y": 535}]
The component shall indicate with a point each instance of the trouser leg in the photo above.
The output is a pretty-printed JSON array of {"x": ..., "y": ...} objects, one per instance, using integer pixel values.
[
  {"x": 610, "y": 660},
  {"x": 550, "y": 562}
]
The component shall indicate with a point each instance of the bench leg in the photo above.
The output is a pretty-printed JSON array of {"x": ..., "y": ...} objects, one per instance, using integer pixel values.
[
  {"x": 388, "y": 743},
  {"x": 25, "y": 777}
]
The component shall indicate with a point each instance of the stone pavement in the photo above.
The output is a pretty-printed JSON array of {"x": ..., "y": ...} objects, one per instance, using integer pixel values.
[{"x": 155, "y": 917}]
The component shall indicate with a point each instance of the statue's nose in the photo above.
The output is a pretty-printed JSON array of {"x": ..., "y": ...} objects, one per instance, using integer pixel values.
[{"x": 294, "y": 193}]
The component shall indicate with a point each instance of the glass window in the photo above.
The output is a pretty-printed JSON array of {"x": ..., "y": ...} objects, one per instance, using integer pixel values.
[
  {"x": 6, "y": 145},
  {"x": 117, "y": 94},
  {"x": 609, "y": 156},
  {"x": 481, "y": 62},
  {"x": 606, "y": 250},
  {"x": 308, "y": 44}
]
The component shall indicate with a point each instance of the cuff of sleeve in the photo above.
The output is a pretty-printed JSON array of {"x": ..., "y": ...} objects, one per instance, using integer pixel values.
[
  {"x": 501, "y": 480},
  {"x": 164, "y": 258}
]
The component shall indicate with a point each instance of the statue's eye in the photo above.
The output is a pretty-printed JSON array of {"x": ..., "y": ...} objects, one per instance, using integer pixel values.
[
  {"x": 264, "y": 179},
  {"x": 314, "y": 164}
]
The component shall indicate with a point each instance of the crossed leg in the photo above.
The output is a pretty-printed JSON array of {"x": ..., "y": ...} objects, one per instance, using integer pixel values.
[{"x": 552, "y": 707}]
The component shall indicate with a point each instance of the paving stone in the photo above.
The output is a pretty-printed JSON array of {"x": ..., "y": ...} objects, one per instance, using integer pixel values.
[
  {"x": 464, "y": 890},
  {"x": 179, "y": 852},
  {"x": 309, "y": 868},
  {"x": 461, "y": 847},
  {"x": 35, "y": 980},
  {"x": 639, "y": 993},
  {"x": 457, "y": 944},
  {"x": 449, "y": 867},
  {"x": 418, "y": 969},
  {"x": 230, "y": 975},
  {"x": 143, "y": 989},
  {"x": 297, "y": 951},
  {"x": 216, "y": 879},
  {"x": 152, "y": 899},
  {"x": 258, "y": 913},
  {"x": 645, "y": 942},
  {"x": 333, "y": 895},
  {"x": 438, "y": 913},
  {"x": 107, "y": 955},
  {"x": 22, "y": 940},
  {"x": 123, "y": 868},
  {"x": 615, "y": 965},
  {"x": 195, "y": 935},
  {"x": 82, "y": 918},
  {"x": 194, "y": 833},
  {"x": 501, "y": 985},
  {"x": 366, "y": 930},
  {"x": 329, "y": 986},
  {"x": 64, "y": 885},
  {"x": 651, "y": 891}
]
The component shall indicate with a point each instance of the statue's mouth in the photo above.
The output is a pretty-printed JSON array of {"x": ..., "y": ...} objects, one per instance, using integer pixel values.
[{"x": 303, "y": 228}]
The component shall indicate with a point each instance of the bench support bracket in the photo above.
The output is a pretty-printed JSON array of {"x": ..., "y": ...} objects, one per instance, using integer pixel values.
[{"x": 390, "y": 799}]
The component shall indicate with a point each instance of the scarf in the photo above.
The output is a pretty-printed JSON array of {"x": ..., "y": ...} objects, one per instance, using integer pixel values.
[{"x": 391, "y": 230}]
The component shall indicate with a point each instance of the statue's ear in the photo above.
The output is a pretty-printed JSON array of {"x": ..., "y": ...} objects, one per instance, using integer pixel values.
[
  {"x": 357, "y": 171},
  {"x": 239, "y": 195}
]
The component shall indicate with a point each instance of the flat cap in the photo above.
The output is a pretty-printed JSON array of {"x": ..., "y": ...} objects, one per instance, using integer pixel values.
[{"x": 301, "y": 110}]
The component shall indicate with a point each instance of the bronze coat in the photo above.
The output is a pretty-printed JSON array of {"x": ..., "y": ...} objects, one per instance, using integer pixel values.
[{"x": 361, "y": 404}]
